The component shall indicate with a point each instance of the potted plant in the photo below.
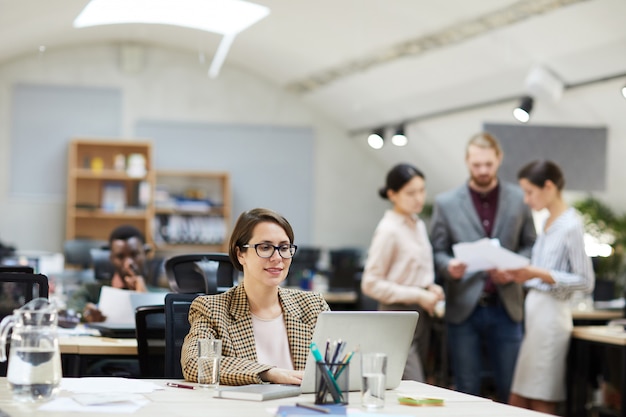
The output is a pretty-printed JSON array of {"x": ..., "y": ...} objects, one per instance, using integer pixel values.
[{"x": 604, "y": 227}]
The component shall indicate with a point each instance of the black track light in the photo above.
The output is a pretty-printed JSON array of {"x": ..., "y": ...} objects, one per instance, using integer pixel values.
[
  {"x": 377, "y": 138},
  {"x": 399, "y": 138},
  {"x": 522, "y": 112}
]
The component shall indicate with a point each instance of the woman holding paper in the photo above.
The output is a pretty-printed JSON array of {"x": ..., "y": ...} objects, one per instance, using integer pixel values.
[
  {"x": 265, "y": 329},
  {"x": 559, "y": 266},
  {"x": 399, "y": 272}
]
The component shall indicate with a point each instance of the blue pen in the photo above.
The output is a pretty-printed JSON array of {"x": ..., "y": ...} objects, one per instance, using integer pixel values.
[{"x": 335, "y": 391}]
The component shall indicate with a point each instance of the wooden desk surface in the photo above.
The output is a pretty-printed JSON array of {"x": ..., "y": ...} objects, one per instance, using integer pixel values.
[
  {"x": 597, "y": 314},
  {"x": 602, "y": 334},
  {"x": 96, "y": 345},
  {"x": 176, "y": 402}
]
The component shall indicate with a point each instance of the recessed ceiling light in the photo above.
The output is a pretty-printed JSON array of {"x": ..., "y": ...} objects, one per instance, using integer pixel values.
[{"x": 225, "y": 17}]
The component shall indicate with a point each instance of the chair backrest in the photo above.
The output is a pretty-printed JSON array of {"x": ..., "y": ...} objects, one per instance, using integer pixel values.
[
  {"x": 150, "y": 333},
  {"x": 206, "y": 273},
  {"x": 306, "y": 259},
  {"x": 17, "y": 268},
  {"x": 345, "y": 265},
  {"x": 77, "y": 251},
  {"x": 176, "y": 328},
  {"x": 18, "y": 288},
  {"x": 103, "y": 269}
]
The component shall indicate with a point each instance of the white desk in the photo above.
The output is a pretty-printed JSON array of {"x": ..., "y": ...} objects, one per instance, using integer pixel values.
[{"x": 173, "y": 402}]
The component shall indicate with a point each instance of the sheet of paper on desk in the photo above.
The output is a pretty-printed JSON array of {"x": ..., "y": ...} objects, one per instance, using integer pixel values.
[
  {"x": 485, "y": 254},
  {"x": 115, "y": 305},
  {"x": 96, "y": 385},
  {"x": 69, "y": 404}
]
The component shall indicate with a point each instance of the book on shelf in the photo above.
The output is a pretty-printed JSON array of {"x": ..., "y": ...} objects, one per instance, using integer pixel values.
[
  {"x": 113, "y": 197},
  {"x": 257, "y": 392}
]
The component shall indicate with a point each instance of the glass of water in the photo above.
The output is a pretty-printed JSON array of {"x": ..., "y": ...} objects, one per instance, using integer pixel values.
[
  {"x": 373, "y": 377},
  {"x": 209, "y": 354}
]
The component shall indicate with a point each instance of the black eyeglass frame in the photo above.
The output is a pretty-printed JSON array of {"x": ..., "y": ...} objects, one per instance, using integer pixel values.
[{"x": 292, "y": 249}]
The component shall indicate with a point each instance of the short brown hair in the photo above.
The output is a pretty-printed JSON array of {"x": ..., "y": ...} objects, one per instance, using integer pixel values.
[
  {"x": 242, "y": 233},
  {"x": 484, "y": 140}
]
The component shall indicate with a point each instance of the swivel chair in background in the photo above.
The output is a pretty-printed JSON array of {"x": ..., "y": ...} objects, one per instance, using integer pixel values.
[
  {"x": 150, "y": 334},
  {"x": 190, "y": 276},
  {"x": 346, "y": 267},
  {"x": 16, "y": 289},
  {"x": 208, "y": 273},
  {"x": 304, "y": 262},
  {"x": 77, "y": 252}
]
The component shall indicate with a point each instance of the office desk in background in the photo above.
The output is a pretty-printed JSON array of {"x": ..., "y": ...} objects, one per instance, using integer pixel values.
[
  {"x": 593, "y": 317},
  {"x": 77, "y": 351},
  {"x": 177, "y": 402},
  {"x": 584, "y": 339}
]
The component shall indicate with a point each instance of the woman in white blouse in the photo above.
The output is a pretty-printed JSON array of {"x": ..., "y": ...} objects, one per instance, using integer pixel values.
[
  {"x": 559, "y": 266},
  {"x": 399, "y": 271}
]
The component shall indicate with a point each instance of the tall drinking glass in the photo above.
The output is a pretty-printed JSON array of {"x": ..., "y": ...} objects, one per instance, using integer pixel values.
[
  {"x": 373, "y": 374},
  {"x": 209, "y": 355}
]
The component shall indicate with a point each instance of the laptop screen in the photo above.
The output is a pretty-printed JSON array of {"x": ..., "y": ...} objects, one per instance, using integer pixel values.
[{"x": 389, "y": 332}]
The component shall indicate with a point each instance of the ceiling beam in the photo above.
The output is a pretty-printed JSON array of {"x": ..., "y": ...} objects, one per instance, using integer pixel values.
[{"x": 463, "y": 31}]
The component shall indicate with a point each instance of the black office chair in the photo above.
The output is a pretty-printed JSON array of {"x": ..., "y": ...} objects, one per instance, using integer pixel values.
[
  {"x": 17, "y": 268},
  {"x": 176, "y": 328},
  {"x": 16, "y": 289},
  {"x": 103, "y": 269},
  {"x": 345, "y": 267},
  {"x": 207, "y": 273},
  {"x": 305, "y": 259},
  {"x": 150, "y": 333},
  {"x": 77, "y": 251}
]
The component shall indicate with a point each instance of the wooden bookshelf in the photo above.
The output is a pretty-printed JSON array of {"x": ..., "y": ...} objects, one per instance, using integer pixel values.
[
  {"x": 106, "y": 187},
  {"x": 192, "y": 211}
]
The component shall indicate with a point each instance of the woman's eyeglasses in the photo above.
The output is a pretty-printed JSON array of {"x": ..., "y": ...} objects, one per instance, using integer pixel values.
[{"x": 265, "y": 250}]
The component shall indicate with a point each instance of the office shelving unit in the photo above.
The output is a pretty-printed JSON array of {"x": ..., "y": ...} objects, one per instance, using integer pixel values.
[
  {"x": 192, "y": 211},
  {"x": 107, "y": 187}
]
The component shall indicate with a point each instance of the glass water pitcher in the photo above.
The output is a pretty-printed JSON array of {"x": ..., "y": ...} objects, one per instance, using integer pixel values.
[{"x": 34, "y": 368}]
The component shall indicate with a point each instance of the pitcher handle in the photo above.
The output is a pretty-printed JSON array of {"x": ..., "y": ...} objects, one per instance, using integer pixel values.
[{"x": 5, "y": 326}]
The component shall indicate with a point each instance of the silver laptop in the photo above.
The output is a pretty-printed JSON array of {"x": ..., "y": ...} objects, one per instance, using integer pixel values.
[{"x": 390, "y": 332}]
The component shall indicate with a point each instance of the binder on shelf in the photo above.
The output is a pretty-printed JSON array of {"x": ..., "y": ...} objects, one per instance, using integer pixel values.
[{"x": 113, "y": 197}]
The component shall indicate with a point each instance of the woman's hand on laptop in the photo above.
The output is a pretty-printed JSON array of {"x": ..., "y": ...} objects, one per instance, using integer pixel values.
[{"x": 282, "y": 376}]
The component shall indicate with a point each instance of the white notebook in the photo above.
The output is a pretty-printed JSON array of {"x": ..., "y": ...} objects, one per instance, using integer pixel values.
[{"x": 257, "y": 392}]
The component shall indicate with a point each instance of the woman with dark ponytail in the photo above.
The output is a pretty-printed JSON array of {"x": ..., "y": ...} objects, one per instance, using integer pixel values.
[
  {"x": 399, "y": 271},
  {"x": 559, "y": 266}
]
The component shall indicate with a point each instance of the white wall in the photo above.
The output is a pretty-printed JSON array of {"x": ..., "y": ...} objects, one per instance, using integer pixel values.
[{"x": 174, "y": 86}]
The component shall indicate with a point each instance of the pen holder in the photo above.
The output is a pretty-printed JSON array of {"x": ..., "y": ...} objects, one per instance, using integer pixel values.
[{"x": 332, "y": 383}]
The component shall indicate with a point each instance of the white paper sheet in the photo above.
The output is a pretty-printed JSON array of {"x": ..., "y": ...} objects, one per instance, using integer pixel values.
[
  {"x": 108, "y": 384},
  {"x": 68, "y": 404},
  {"x": 119, "y": 305},
  {"x": 114, "y": 395},
  {"x": 485, "y": 254}
]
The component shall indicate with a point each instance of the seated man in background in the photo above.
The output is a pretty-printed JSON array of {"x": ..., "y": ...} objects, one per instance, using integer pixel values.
[{"x": 128, "y": 257}]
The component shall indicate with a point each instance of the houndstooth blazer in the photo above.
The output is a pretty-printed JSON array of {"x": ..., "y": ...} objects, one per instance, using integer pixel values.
[{"x": 227, "y": 317}]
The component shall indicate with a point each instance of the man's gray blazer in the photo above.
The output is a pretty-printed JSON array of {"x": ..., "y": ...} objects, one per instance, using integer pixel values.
[{"x": 455, "y": 220}]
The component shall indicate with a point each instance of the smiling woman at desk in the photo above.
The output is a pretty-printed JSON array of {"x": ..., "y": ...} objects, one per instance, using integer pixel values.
[{"x": 265, "y": 330}]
